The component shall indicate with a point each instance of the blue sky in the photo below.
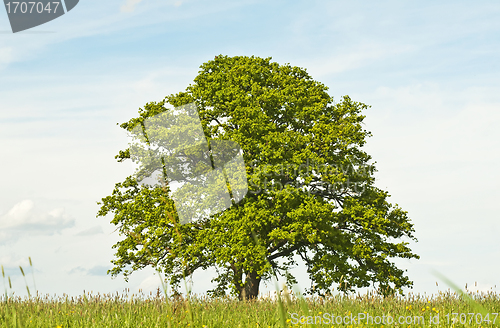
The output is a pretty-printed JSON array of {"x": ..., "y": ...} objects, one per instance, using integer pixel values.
[{"x": 429, "y": 71}]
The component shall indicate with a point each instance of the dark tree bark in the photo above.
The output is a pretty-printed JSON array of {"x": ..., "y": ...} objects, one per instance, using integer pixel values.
[
  {"x": 252, "y": 283},
  {"x": 250, "y": 289}
]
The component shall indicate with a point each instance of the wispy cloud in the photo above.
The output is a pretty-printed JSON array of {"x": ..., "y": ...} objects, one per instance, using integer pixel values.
[
  {"x": 129, "y": 6},
  {"x": 97, "y": 270},
  {"x": 91, "y": 231},
  {"x": 356, "y": 57}
]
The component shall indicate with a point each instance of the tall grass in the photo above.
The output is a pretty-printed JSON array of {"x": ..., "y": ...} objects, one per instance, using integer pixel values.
[
  {"x": 115, "y": 310},
  {"x": 282, "y": 309}
]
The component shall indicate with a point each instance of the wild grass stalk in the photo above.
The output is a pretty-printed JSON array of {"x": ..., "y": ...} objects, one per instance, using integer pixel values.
[
  {"x": 4, "y": 285},
  {"x": 33, "y": 274},
  {"x": 25, "y": 282}
]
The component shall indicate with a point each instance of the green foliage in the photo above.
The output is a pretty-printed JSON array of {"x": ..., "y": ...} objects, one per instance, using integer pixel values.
[{"x": 311, "y": 190}]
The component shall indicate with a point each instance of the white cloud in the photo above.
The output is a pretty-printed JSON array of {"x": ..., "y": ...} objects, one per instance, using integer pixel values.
[
  {"x": 23, "y": 219},
  {"x": 8, "y": 261},
  {"x": 22, "y": 215},
  {"x": 18, "y": 214},
  {"x": 129, "y": 6}
]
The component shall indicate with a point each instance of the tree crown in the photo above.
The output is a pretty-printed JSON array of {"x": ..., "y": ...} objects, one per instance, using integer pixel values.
[{"x": 310, "y": 192}]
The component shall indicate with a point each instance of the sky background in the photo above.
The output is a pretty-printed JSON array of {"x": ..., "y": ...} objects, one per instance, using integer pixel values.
[{"x": 428, "y": 70}]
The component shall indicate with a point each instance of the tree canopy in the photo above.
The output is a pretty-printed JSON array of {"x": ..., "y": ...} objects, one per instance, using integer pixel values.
[{"x": 311, "y": 193}]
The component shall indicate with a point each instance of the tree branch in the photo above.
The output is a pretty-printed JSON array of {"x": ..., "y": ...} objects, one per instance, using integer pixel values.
[
  {"x": 274, "y": 248},
  {"x": 285, "y": 252}
]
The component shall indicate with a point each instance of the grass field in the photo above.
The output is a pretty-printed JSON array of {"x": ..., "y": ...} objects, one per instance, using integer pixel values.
[
  {"x": 284, "y": 309},
  {"x": 154, "y": 311}
]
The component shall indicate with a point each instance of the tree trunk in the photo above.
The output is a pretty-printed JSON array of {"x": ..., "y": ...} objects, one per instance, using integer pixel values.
[{"x": 251, "y": 287}]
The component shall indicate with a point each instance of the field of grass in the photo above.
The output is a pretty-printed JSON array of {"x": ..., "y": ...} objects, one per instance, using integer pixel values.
[
  {"x": 284, "y": 309},
  {"x": 155, "y": 311}
]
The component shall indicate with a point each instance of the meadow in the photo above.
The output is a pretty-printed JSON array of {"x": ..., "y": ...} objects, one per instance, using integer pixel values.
[
  {"x": 284, "y": 308},
  {"x": 154, "y": 310}
]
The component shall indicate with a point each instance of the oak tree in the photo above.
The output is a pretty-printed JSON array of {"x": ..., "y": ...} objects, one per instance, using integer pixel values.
[{"x": 311, "y": 190}]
